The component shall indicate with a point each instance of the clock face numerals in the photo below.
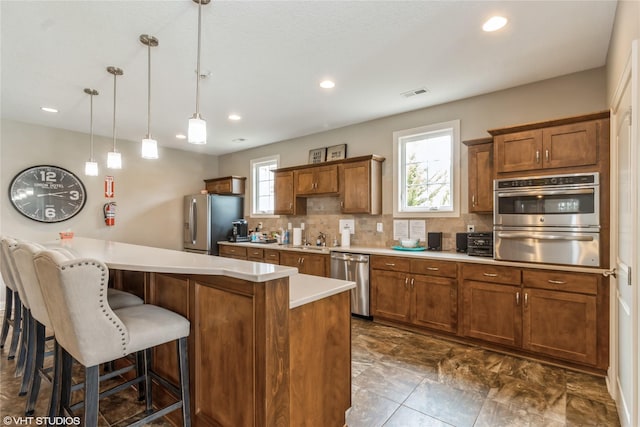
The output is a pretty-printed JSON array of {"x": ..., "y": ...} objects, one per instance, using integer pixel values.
[{"x": 47, "y": 193}]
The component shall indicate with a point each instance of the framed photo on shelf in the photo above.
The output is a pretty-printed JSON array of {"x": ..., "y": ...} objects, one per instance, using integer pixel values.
[
  {"x": 318, "y": 155},
  {"x": 337, "y": 152}
]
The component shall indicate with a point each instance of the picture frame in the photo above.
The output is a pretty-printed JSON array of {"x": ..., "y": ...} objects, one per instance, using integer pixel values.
[
  {"x": 337, "y": 152},
  {"x": 318, "y": 155}
]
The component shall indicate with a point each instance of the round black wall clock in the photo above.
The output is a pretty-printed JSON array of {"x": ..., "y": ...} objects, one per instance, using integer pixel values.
[{"x": 47, "y": 193}]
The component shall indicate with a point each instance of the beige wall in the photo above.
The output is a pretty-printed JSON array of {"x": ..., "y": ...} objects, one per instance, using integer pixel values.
[
  {"x": 573, "y": 94},
  {"x": 148, "y": 192},
  {"x": 626, "y": 29}
]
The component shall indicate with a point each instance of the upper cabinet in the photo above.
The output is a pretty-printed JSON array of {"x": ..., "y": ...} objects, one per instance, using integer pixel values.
[
  {"x": 481, "y": 175},
  {"x": 563, "y": 143},
  {"x": 226, "y": 185},
  {"x": 357, "y": 181}
]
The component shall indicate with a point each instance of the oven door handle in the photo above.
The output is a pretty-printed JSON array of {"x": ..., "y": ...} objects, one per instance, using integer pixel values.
[
  {"x": 523, "y": 236},
  {"x": 558, "y": 192}
]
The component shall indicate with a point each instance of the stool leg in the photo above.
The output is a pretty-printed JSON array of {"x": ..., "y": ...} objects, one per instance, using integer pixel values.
[
  {"x": 36, "y": 367},
  {"x": 66, "y": 368},
  {"x": 140, "y": 360},
  {"x": 30, "y": 354},
  {"x": 55, "y": 381},
  {"x": 147, "y": 377},
  {"x": 91, "y": 395},
  {"x": 24, "y": 340},
  {"x": 17, "y": 325},
  {"x": 183, "y": 365},
  {"x": 6, "y": 320}
]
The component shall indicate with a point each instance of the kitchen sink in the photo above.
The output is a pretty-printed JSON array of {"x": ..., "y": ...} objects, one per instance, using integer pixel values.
[{"x": 312, "y": 248}]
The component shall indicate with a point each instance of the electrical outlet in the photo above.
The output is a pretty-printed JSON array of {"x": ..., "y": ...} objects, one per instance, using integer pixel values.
[
  {"x": 347, "y": 223},
  {"x": 379, "y": 227},
  {"x": 471, "y": 228}
]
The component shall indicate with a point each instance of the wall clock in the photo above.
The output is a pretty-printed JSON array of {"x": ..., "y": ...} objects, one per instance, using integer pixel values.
[{"x": 47, "y": 193}]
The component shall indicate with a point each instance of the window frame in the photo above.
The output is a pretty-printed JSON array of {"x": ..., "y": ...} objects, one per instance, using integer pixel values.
[
  {"x": 254, "y": 188},
  {"x": 398, "y": 168}
]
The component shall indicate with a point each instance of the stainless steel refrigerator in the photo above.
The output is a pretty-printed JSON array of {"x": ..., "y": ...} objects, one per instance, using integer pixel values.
[{"x": 207, "y": 220}]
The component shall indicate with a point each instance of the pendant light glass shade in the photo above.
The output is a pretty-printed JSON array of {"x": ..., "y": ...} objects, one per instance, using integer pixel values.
[
  {"x": 197, "y": 133},
  {"x": 91, "y": 166},
  {"x": 114, "y": 159},
  {"x": 149, "y": 148},
  {"x": 149, "y": 145}
]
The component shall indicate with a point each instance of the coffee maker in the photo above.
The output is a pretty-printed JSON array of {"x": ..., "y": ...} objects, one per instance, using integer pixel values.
[{"x": 239, "y": 231}]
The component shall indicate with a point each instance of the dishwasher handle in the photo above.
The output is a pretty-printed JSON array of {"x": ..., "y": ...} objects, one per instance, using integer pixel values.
[{"x": 350, "y": 257}]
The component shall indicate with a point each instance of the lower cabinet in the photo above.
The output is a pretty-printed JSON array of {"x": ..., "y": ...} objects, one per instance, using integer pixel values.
[
  {"x": 427, "y": 300},
  {"x": 231, "y": 251},
  {"x": 306, "y": 263}
]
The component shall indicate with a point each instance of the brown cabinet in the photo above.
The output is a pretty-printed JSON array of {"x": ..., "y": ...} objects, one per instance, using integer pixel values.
[
  {"x": 361, "y": 186},
  {"x": 229, "y": 251},
  {"x": 226, "y": 185},
  {"x": 306, "y": 263},
  {"x": 286, "y": 202},
  {"x": 255, "y": 254},
  {"x": 316, "y": 180},
  {"x": 271, "y": 256},
  {"x": 420, "y": 292},
  {"x": 481, "y": 175},
  {"x": 563, "y": 143}
]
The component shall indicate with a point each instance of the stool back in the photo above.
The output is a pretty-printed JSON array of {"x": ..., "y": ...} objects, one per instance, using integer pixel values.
[
  {"x": 5, "y": 270},
  {"x": 23, "y": 255},
  {"x": 8, "y": 245},
  {"x": 76, "y": 298}
]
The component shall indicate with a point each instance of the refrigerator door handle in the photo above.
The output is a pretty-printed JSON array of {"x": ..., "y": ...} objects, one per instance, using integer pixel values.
[{"x": 193, "y": 216}]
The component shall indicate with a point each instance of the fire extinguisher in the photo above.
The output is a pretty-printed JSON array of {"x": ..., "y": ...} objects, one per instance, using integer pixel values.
[{"x": 109, "y": 210}]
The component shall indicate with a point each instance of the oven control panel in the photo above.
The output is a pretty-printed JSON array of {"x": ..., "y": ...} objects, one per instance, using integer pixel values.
[{"x": 548, "y": 181}]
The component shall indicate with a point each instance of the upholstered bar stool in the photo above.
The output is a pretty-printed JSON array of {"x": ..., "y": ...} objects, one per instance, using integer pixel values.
[
  {"x": 88, "y": 330},
  {"x": 12, "y": 309}
]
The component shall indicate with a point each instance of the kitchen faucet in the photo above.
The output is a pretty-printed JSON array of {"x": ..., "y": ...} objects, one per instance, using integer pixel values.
[{"x": 322, "y": 239}]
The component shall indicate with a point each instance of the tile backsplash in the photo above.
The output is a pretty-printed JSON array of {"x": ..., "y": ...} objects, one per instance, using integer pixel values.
[{"x": 323, "y": 216}]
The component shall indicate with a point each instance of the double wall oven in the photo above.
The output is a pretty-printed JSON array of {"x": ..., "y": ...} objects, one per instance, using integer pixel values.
[{"x": 548, "y": 219}]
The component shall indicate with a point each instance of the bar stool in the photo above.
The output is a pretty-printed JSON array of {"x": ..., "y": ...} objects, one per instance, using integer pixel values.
[
  {"x": 88, "y": 330},
  {"x": 22, "y": 254},
  {"x": 13, "y": 306}
]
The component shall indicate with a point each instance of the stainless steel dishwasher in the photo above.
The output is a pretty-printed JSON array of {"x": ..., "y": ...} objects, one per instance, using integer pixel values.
[{"x": 355, "y": 268}]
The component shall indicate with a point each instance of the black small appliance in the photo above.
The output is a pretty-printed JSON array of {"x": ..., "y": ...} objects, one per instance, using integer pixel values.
[
  {"x": 239, "y": 231},
  {"x": 434, "y": 241},
  {"x": 480, "y": 244},
  {"x": 461, "y": 242}
]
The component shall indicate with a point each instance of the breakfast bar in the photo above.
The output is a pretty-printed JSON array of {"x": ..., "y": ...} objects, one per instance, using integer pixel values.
[{"x": 268, "y": 346}]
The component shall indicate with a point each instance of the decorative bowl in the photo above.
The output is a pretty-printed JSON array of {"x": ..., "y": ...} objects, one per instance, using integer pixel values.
[{"x": 409, "y": 243}]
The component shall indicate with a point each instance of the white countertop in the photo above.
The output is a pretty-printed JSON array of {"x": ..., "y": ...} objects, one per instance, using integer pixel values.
[
  {"x": 125, "y": 256},
  {"x": 444, "y": 256},
  {"x": 304, "y": 288}
]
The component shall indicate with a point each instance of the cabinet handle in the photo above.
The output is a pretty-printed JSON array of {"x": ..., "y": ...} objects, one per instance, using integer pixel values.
[
  {"x": 433, "y": 268},
  {"x": 526, "y": 299},
  {"x": 298, "y": 260},
  {"x": 556, "y": 282},
  {"x": 546, "y": 155},
  {"x": 517, "y": 298},
  {"x": 412, "y": 283},
  {"x": 302, "y": 260},
  {"x": 341, "y": 204},
  {"x": 473, "y": 200},
  {"x": 537, "y": 156},
  {"x": 390, "y": 264},
  {"x": 406, "y": 283},
  {"x": 290, "y": 205},
  {"x": 490, "y": 274}
]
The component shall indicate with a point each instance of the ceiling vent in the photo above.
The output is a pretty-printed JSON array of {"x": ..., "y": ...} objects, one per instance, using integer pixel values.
[{"x": 414, "y": 92}]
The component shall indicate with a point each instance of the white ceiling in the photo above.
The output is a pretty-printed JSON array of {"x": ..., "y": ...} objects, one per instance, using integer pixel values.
[{"x": 266, "y": 59}]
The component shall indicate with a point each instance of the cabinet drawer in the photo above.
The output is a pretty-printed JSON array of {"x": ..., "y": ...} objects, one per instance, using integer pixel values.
[
  {"x": 434, "y": 268},
  {"x": 391, "y": 263},
  {"x": 255, "y": 254},
  {"x": 492, "y": 274},
  {"x": 233, "y": 251},
  {"x": 560, "y": 281},
  {"x": 271, "y": 256}
]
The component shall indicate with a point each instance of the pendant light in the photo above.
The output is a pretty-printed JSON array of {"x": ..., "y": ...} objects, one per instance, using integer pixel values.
[
  {"x": 149, "y": 145},
  {"x": 114, "y": 159},
  {"x": 197, "y": 125},
  {"x": 91, "y": 166}
]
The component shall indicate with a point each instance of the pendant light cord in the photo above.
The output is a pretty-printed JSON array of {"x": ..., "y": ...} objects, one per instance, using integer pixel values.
[
  {"x": 198, "y": 61},
  {"x": 91, "y": 127},
  {"x": 149, "y": 91},
  {"x": 114, "y": 112}
]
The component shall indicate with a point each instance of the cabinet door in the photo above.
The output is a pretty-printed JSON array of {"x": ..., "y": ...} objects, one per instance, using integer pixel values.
[
  {"x": 570, "y": 145},
  {"x": 286, "y": 202},
  {"x": 305, "y": 181},
  {"x": 435, "y": 302},
  {"x": 356, "y": 190},
  {"x": 519, "y": 151},
  {"x": 390, "y": 295},
  {"x": 272, "y": 256},
  {"x": 229, "y": 251},
  {"x": 326, "y": 179},
  {"x": 255, "y": 254},
  {"x": 560, "y": 324},
  {"x": 290, "y": 259},
  {"x": 492, "y": 312},
  {"x": 481, "y": 178},
  {"x": 313, "y": 264}
]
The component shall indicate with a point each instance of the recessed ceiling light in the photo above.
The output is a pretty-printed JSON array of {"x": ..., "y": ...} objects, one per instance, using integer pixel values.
[
  {"x": 327, "y": 84},
  {"x": 494, "y": 23},
  {"x": 181, "y": 136},
  {"x": 234, "y": 117},
  {"x": 49, "y": 109}
]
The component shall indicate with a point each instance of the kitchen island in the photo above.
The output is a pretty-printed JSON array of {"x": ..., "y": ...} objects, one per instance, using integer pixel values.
[{"x": 268, "y": 346}]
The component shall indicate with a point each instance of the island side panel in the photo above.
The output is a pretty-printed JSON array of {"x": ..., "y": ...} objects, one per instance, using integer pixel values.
[{"x": 321, "y": 362}]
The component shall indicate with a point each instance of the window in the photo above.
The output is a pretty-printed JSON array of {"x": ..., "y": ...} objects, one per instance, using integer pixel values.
[
  {"x": 262, "y": 185},
  {"x": 426, "y": 172}
]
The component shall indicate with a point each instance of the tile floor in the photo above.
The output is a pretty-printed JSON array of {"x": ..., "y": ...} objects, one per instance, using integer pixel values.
[{"x": 405, "y": 379}]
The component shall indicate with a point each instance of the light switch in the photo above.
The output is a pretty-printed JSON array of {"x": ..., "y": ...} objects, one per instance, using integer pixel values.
[{"x": 379, "y": 227}]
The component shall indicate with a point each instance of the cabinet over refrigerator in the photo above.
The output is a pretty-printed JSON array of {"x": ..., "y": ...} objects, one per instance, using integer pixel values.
[{"x": 208, "y": 219}]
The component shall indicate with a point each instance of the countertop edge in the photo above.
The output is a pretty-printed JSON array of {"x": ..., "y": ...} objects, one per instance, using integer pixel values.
[{"x": 305, "y": 289}]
